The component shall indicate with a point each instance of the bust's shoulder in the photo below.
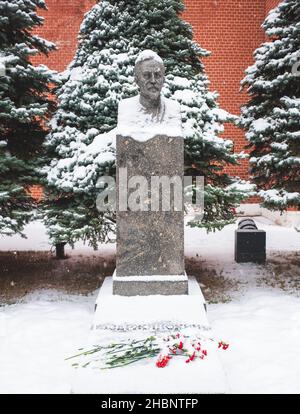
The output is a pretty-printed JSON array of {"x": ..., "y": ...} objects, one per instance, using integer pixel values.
[
  {"x": 127, "y": 109},
  {"x": 171, "y": 105},
  {"x": 129, "y": 102},
  {"x": 134, "y": 101}
]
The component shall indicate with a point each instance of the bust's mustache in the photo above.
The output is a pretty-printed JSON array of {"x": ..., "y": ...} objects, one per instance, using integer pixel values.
[{"x": 152, "y": 87}]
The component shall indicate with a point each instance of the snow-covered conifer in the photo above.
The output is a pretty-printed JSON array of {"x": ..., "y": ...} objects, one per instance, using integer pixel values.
[
  {"x": 272, "y": 116},
  {"x": 24, "y": 109}
]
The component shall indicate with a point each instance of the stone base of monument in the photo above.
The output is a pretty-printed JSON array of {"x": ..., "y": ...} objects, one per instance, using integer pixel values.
[
  {"x": 119, "y": 318},
  {"x": 150, "y": 285}
]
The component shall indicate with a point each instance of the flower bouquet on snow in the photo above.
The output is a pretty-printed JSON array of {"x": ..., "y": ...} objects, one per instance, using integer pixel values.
[{"x": 163, "y": 349}]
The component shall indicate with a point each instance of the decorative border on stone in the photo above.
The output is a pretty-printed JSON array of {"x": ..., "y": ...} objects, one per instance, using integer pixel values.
[{"x": 162, "y": 326}]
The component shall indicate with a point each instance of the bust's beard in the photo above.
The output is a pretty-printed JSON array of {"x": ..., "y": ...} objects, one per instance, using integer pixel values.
[{"x": 150, "y": 102}]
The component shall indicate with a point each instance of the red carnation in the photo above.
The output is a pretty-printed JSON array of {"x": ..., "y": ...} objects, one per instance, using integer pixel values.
[
  {"x": 191, "y": 358},
  {"x": 163, "y": 361},
  {"x": 223, "y": 345}
]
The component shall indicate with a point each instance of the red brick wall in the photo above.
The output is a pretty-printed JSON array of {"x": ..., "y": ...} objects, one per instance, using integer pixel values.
[
  {"x": 230, "y": 29},
  {"x": 36, "y": 192},
  {"x": 271, "y": 4},
  {"x": 61, "y": 26}
]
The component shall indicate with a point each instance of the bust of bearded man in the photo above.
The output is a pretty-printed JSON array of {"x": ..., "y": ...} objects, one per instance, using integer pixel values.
[{"x": 149, "y": 113}]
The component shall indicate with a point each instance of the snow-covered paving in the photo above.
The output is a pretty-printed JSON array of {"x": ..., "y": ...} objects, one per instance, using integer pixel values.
[{"x": 263, "y": 329}]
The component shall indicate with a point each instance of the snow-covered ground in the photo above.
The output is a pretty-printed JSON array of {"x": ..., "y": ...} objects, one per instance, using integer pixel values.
[
  {"x": 35, "y": 338},
  {"x": 196, "y": 240},
  {"x": 263, "y": 329},
  {"x": 261, "y": 324}
]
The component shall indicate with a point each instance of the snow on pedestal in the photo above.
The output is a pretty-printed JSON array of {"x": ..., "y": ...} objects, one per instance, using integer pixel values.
[{"x": 118, "y": 318}]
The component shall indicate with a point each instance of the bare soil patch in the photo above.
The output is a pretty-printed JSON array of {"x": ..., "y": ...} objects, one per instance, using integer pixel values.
[
  {"x": 24, "y": 272},
  {"x": 283, "y": 272},
  {"x": 215, "y": 287}
]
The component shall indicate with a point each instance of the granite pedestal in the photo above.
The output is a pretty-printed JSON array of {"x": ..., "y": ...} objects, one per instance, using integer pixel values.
[{"x": 150, "y": 244}]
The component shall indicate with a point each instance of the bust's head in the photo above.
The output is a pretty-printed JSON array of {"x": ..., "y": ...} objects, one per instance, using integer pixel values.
[{"x": 149, "y": 72}]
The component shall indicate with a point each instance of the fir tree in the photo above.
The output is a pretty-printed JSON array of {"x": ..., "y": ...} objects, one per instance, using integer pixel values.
[
  {"x": 272, "y": 116},
  {"x": 81, "y": 144},
  {"x": 24, "y": 109}
]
